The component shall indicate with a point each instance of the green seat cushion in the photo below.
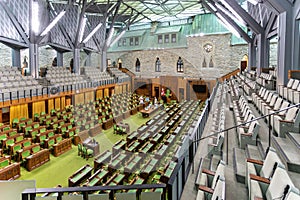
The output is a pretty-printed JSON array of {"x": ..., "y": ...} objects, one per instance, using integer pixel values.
[
  {"x": 4, "y": 163},
  {"x": 36, "y": 149}
]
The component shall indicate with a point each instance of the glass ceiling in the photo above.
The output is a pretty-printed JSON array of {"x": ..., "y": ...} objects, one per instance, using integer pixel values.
[{"x": 150, "y": 10}]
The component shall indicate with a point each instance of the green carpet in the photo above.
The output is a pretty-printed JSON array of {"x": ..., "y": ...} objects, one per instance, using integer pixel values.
[{"x": 58, "y": 169}]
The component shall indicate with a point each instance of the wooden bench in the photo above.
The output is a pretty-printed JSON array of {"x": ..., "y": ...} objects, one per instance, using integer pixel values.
[
  {"x": 80, "y": 175},
  {"x": 102, "y": 159},
  {"x": 119, "y": 146},
  {"x": 168, "y": 172},
  {"x": 98, "y": 178},
  {"x": 148, "y": 168}
]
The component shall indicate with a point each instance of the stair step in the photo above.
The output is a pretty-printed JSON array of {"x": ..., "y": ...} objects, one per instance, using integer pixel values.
[
  {"x": 204, "y": 164},
  {"x": 288, "y": 152},
  {"x": 253, "y": 152},
  {"x": 295, "y": 138},
  {"x": 239, "y": 164},
  {"x": 263, "y": 148}
]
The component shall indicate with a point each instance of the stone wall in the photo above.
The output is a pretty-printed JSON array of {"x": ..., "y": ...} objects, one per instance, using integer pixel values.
[
  {"x": 215, "y": 51},
  {"x": 207, "y": 57}
]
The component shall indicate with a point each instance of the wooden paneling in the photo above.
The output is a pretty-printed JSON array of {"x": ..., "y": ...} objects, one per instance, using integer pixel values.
[
  {"x": 57, "y": 103},
  {"x": 99, "y": 94},
  {"x": 50, "y": 105},
  {"x": 18, "y": 111},
  {"x": 89, "y": 96},
  {"x": 79, "y": 98},
  {"x": 106, "y": 92},
  {"x": 62, "y": 102},
  {"x": 38, "y": 107}
]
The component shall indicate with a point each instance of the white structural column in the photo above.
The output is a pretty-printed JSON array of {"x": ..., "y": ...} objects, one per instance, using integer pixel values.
[
  {"x": 76, "y": 61},
  {"x": 60, "y": 58},
  {"x": 16, "y": 58},
  {"x": 252, "y": 55},
  {"x": 88, "y": 61},
  {"x": 34, "y": 60}
]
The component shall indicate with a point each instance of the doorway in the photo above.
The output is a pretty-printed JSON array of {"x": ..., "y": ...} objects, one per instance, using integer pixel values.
[{"x": 156, "y": 92}]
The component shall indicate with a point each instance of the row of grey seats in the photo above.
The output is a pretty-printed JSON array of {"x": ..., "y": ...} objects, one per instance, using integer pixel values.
[
  {"x": 281, "y": 119},
  {"x": 248, "y": 127},
  {"x": 215, "y": 142},
  {"x": 268, "y": 179},
  {"x": 290, "y": 92}
]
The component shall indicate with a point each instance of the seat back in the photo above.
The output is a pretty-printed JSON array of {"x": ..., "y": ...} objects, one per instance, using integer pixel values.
[
  {"x": 220, "y": 172},
  {"x": 293, "y": 194},
  {"x": 219, "y": 191},
  {"x": 279, "y": 183},
  {"x": 284, "y": 105},
  {"x": 278, "y": 103},
  {"x": 295, "y": 84},
  {"x": 290, "y": 83},
  {"x": 291, "y": 114},
  {"x": 273, "y": 100},
  {"x": 271, "y": 160}
]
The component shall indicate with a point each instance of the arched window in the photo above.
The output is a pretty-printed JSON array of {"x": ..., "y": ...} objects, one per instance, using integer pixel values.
[
  {"x": 179, "y": 65},
  {"x": 204, "y": 63},
  {"x": 211, "y": 63},
  {"x": 137, "y": 65},
  {"x": 157, "y": 65}
]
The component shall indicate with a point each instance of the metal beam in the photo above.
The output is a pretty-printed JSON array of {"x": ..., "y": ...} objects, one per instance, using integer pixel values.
[
  {"x": 13, "y": 43},
  {"x": 15, "y": 22},
  {"x": 229, "y": 20},
  {"x": 279, "y": 5},
  {"x": 79, "y": 27},
  {"x": 270, "y": 24},
  {"x": 248, "y": 18},
  {"x": 62, "y": 28}
]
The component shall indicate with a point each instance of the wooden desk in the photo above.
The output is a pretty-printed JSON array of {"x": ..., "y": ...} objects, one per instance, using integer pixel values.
[
  {"x": 35, "y": 160},
  {"x": 102, "y": 159},
  {"x": 10, "y": 172},
  {"x": 80, "y": 175},
  {"x": 124, "y": 125},
  {"x": 92, "y": 144},
  {"x": 62, "y": 147}
]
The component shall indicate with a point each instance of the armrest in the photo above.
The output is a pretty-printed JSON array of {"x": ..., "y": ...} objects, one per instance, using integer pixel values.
[
  {"x": 285, "y": 121},
  {"x": 258, "y": 198},
  {"x": 209, "y": 172},
  {"x": 259, "y": 178},
  {"x": 212, "y": 144},
  {"x": 246, "y": 134},
  {"x": 206, "y": 189},
  {"x": 254, "y": 161}
]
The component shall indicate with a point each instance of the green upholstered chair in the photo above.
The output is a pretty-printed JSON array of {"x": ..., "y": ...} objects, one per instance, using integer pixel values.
[
  {"x": 79, "y": 147},
  {"x": 87, "y": 153}
]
